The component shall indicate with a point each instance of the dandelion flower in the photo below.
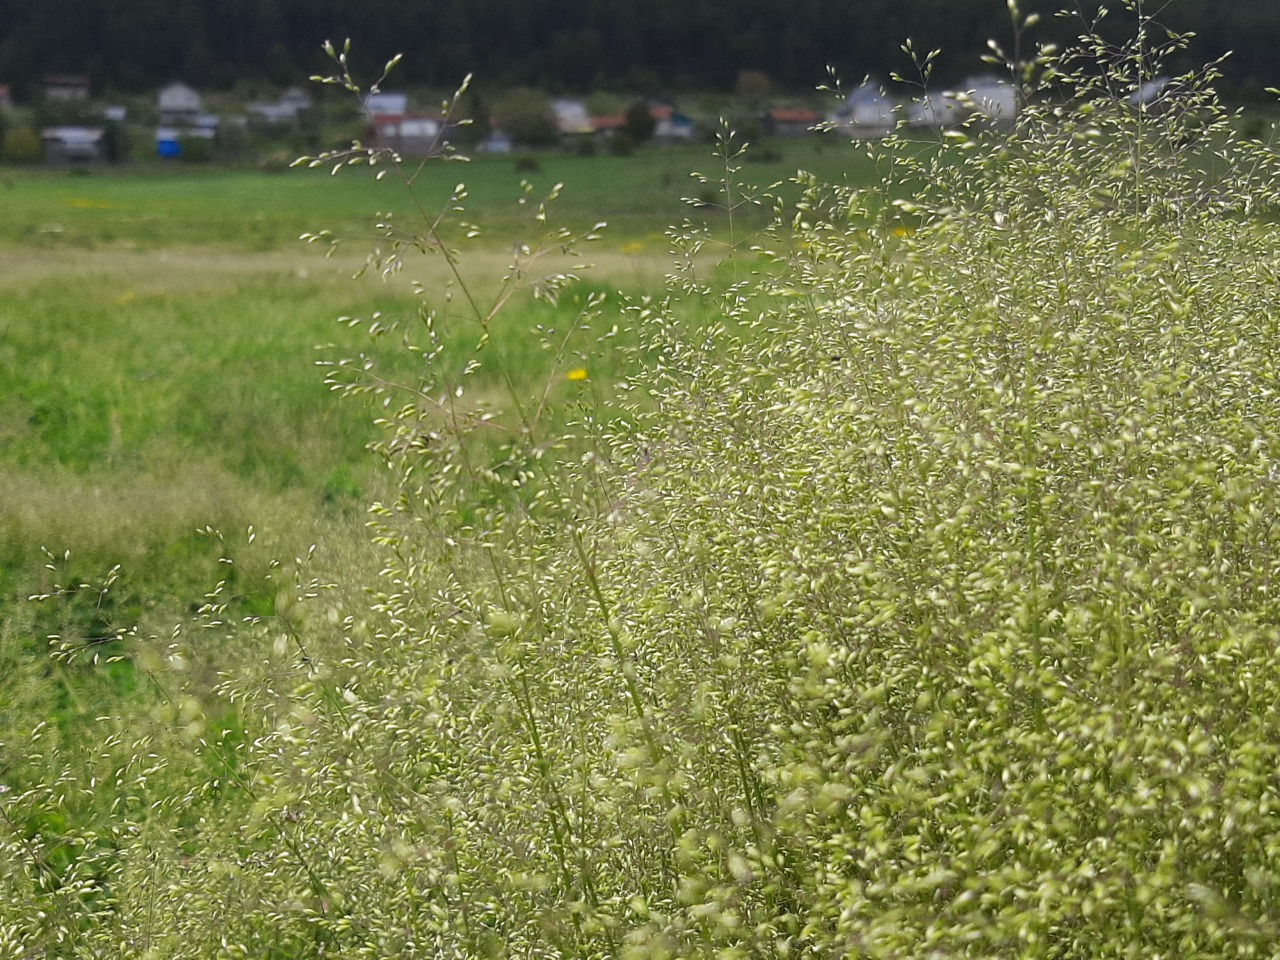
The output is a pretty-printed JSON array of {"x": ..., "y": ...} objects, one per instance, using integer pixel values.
[{"x": 576, "y": 375}]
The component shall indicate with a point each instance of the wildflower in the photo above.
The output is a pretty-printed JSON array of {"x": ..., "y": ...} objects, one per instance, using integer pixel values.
[{"x": 576, "y": 375}]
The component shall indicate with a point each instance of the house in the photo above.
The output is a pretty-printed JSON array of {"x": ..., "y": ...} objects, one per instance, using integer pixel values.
[
  {"x": 571, "y": 117},
  {"x": 205, "y": 126},
  {"x": 870, "y": 108},
  {"x": 987, "y": 99},
  {"x": 169, "y": 139},
  {"x": 178, "y": 104},
  {"x": 607, "y": 126},
  {"x": 669, "y": 125},
  {"x": 498, "y": 141},
  {"x": 284, "y": 112},
  {"x": 273, "y": 114},
  {"x": 944, "y": 110},
  {"x": 1148, "y": 93},
  {"x": 414, "y": 135},
  {"x": 297, "y": 98},
  {"x": 386, "y": 104},
  {"x": 66, "y": 87},
  {"x": 990, "y": 98},
  {"x": 72, "y": 144},
  {"x": 784, "y": 122},
  {"x": 866, "y": 114},
  {"x": 168, "y": 142}
]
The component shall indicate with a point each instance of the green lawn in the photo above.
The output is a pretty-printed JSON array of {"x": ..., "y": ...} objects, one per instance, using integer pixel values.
[
  {"x": 160, "y": 330},
  {"x": 155, "y": 208}
]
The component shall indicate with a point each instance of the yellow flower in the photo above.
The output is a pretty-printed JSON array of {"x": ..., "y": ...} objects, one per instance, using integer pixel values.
[{"x": 576, "y": 375}]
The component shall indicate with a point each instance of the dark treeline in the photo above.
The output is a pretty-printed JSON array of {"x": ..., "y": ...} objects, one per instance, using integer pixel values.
[{"x": 560, "y": 45}]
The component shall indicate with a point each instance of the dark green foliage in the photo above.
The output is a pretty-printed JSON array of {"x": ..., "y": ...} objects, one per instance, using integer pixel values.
[
  {"x": 639, "y": 123},
  {"x": 142, "y": 44},
  {"x": 20, "y": 145},
  {"x": 526, "y": 115},
  {"x": 195, "y": 149},
  {"x": 115, "y": 142}
]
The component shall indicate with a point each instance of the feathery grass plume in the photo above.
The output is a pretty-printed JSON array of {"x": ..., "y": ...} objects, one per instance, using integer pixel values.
[{"x": 920, "y": 604}]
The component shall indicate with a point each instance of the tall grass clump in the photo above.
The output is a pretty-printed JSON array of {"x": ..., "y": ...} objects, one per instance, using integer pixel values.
[{"x": 921, "y": 603}]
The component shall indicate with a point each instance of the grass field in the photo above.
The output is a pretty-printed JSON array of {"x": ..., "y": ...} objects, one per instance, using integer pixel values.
[
  {"x": 159, "y": 333},
  {"x": 153, "y": 209}
]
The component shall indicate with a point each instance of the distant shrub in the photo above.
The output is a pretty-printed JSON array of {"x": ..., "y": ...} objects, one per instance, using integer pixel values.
[
  {"x": 640, "y": 123},
  {"x": 195, "y": 149},
  {"x": 276, "y": 161},
  {"x": 621, "y": 144},
  {"x": 21, "y": 145},
  {"x": 582, "y": 146},
  {"x": 115, "y": 142},
  {"x": 526, "y": 115},
  {"x": 754, "y": 85}
]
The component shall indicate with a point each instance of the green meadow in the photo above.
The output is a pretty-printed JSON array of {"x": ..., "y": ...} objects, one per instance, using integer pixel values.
[{"x": 161, "y": 330}]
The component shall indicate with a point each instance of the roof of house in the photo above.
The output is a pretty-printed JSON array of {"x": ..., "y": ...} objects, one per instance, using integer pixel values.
[
  {"x": 789, "y": 115},
  {"x": 613, "y": 121},
  {"x": 65, "y": 80},
  {"x": 866, "y": 95},
  {"x": 179, "y": 96}
]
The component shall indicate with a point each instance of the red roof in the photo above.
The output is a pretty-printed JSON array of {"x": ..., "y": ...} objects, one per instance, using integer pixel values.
[
  {"x": 615, "y": 121},
  {"x": 794, "y": 116}
]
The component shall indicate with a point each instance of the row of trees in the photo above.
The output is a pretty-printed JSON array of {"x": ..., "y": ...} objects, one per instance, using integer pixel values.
[{"x": 588, "y": 44}]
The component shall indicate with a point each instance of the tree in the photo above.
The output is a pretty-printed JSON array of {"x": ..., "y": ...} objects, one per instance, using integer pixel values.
[
  {"x": 640, "y": 123},
  {"x": 525, "y": 113}
]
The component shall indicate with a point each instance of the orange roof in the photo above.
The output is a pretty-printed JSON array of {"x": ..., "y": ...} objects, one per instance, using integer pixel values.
[{"x": 794, "y": 116}]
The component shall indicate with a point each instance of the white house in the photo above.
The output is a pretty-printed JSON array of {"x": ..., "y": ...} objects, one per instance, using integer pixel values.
[
  {"x": 940, "y": 111},
  {"x": 178, "y": 104},
  {"x": 274, "y": 114},
  {"x": 72, "y": 144},
  {"x": 297, "y": 98},
  {"x": 1148, "y": 92},
  {"x": 66, "y": 87},
  {"x": 498, "y": 141},
  {"x": 670, "y": 125},
  {"x": 866, "y": 113},
  {"x": 990, "y": 98},
  {"x": 870, "y": 106},
  {"x": 412, "y": 136},
  {"x": 571, "y": 116},
  {"x": 386, "y": 104}
]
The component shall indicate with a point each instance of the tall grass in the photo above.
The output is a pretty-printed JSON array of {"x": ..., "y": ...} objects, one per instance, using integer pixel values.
[{"x": 918, "y": 604}]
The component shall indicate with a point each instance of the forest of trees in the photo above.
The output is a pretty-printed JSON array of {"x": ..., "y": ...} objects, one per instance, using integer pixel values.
[{"x": 651, "y": 46}]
